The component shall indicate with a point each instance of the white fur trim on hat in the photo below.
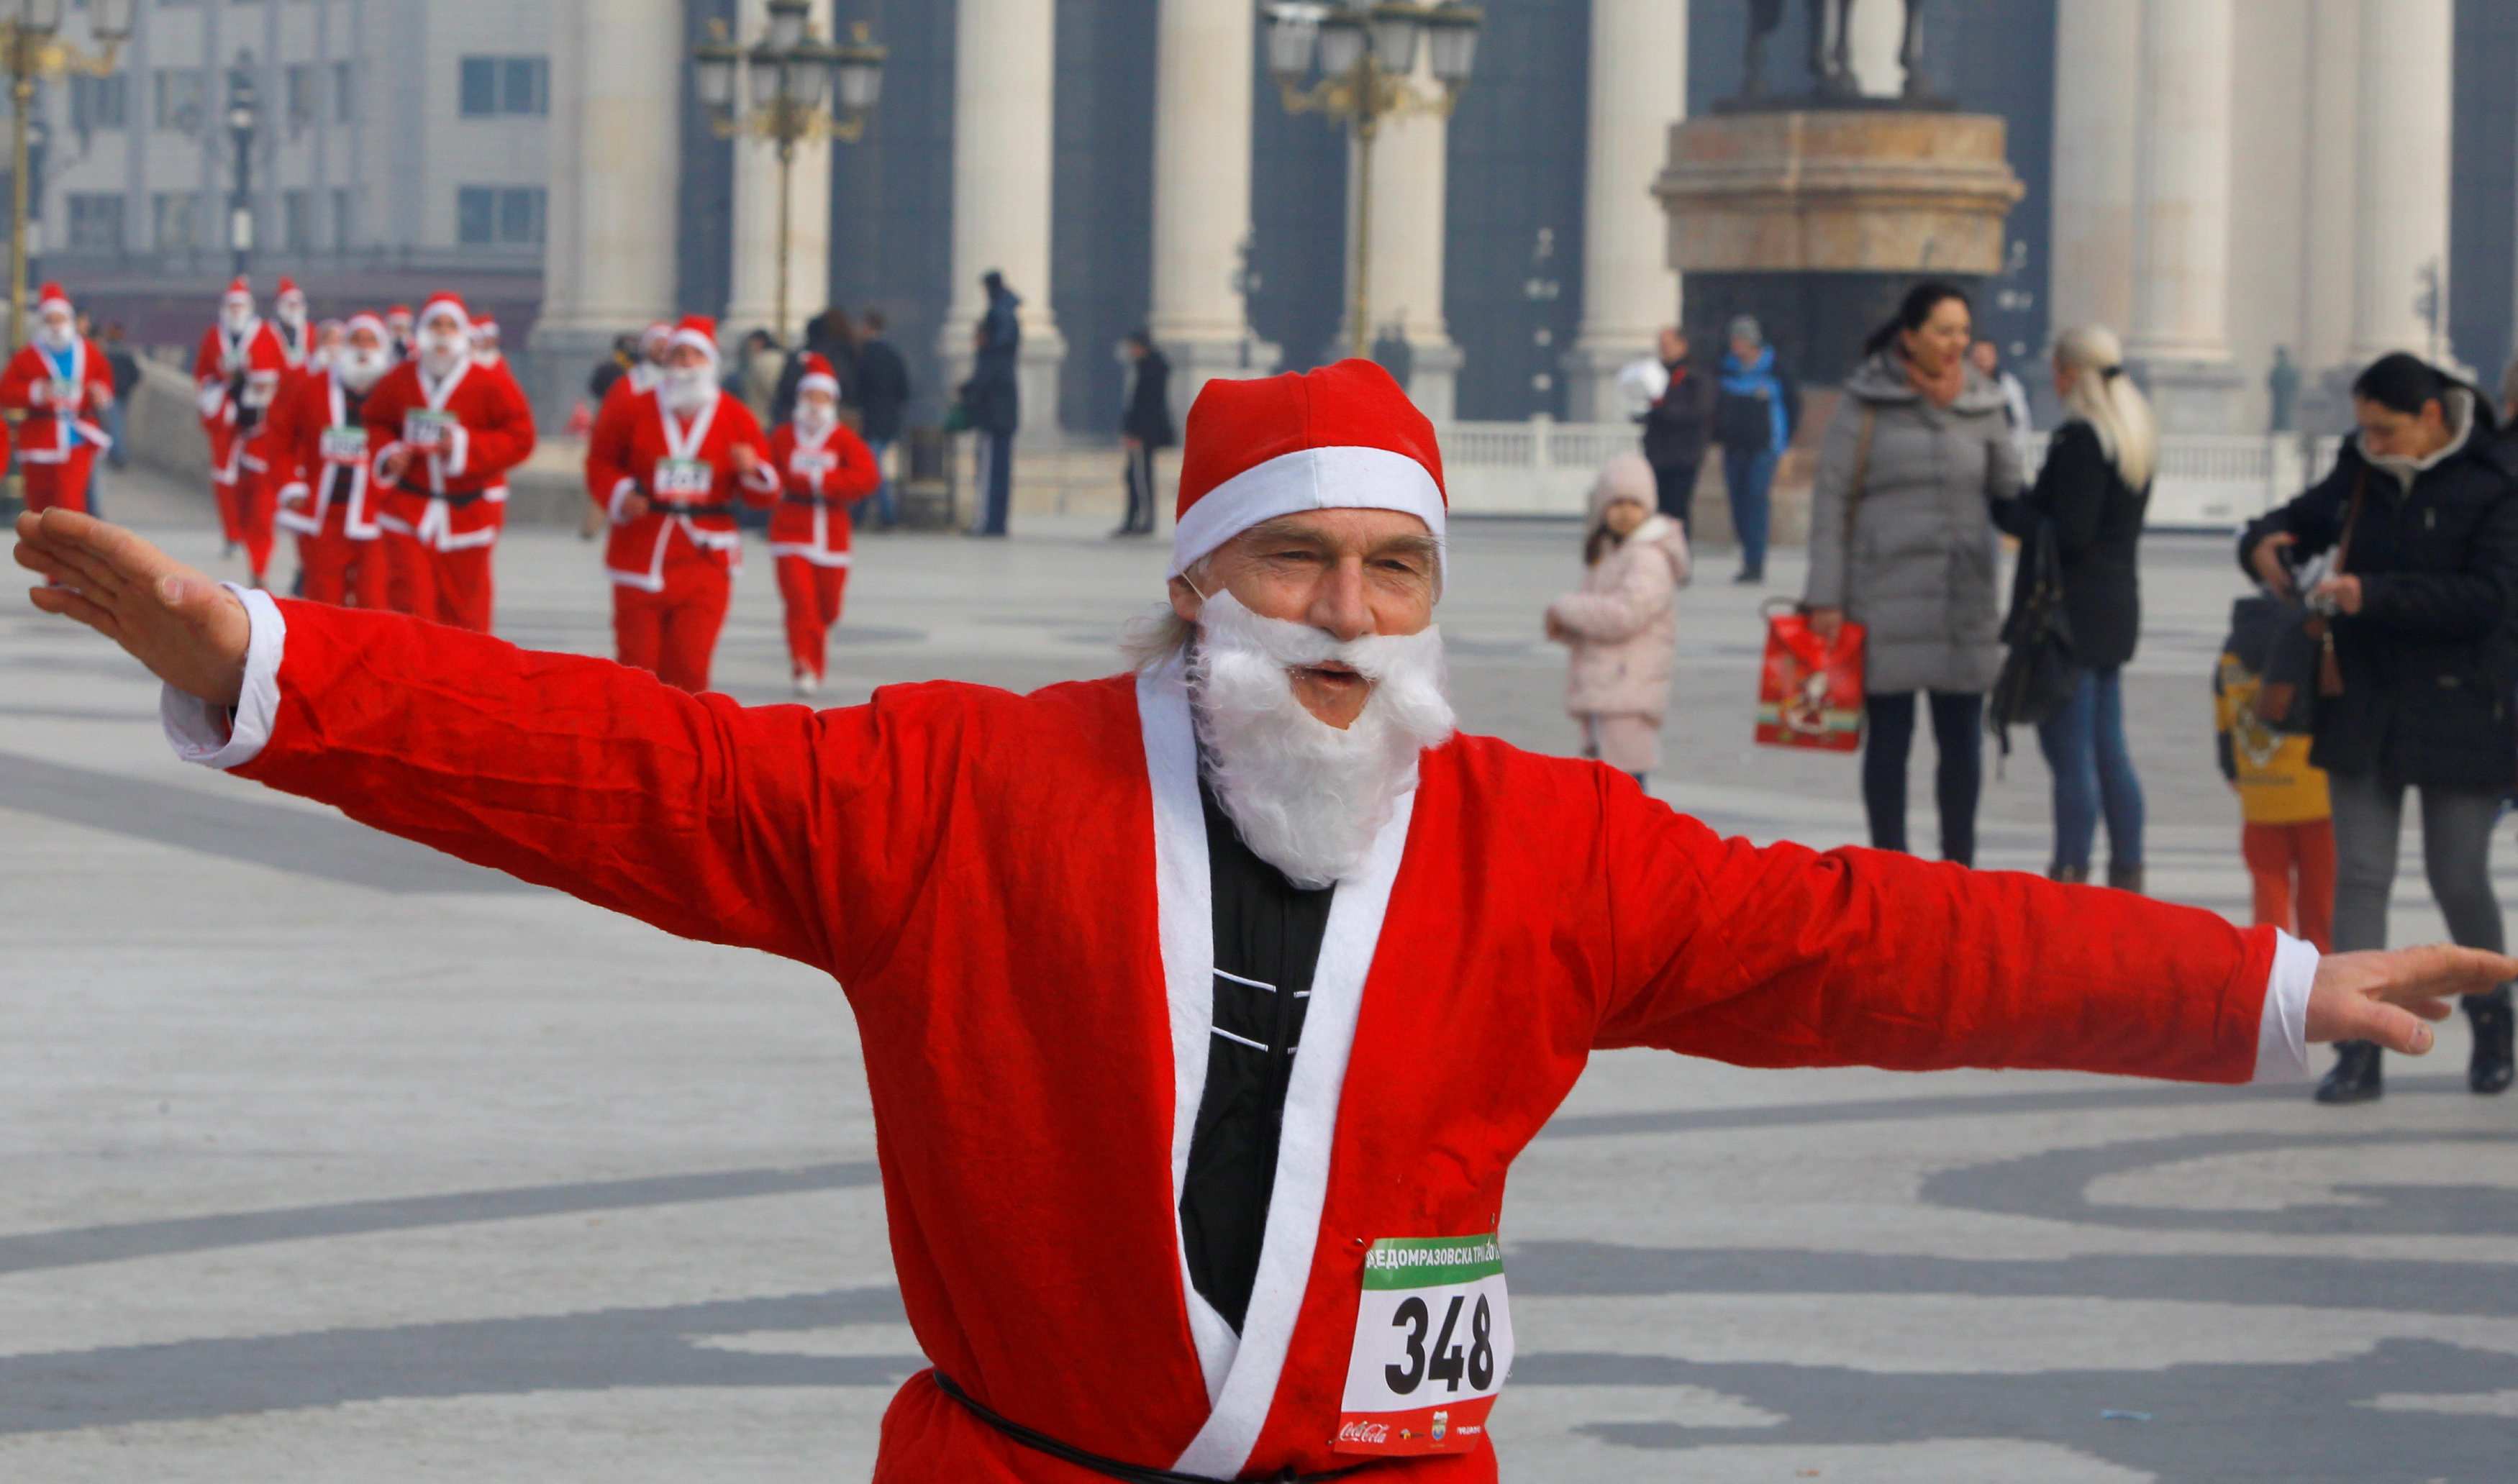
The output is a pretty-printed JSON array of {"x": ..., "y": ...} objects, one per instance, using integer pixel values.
[
  {"x": 694, "y": 338},
  {"x": 1339, "y": 478}
]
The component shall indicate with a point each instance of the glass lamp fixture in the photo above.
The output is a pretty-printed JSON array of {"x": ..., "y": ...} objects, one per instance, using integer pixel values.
[
  {"x": 767, "y": 62},
  {"x": 1294, "y": 31},
  {"x": 1452, "y": 42},
  {"x": 787, "y": 22},
  {"x": 1342, "y": 43},
  {"x": 858, "y": 72},
  {"x": 809, "y": 64},
  {"x": 109, "y": 21},
  {"x": 1397, "y": 28},
  {"x": 43, "y": 17},
  {"x": 714, "y": 65}
]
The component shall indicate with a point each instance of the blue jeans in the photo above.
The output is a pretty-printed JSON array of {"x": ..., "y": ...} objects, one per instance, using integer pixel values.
[
  {"x": 882, "y": 497},
  {"x": 2084, "y": 744},
  {"x": 1747, "y": 477},
  {"x": 996, "y": 482}
]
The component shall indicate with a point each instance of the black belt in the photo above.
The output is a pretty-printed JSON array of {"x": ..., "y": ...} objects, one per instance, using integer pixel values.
[
  {"x": 816, "y": 502},
  {"x": 1110, "y": 1468},
  {"x": 685, "y": 508},
  {"x": 457, "y": 502}
]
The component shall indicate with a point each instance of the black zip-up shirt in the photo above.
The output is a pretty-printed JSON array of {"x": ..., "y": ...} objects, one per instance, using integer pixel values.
[{"x": 1266, "y": 942}]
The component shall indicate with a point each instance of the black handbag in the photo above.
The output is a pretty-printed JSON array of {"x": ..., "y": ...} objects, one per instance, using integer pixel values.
[
  {"x": 2299, "y": 665},
  {"x": 2039, "y": 674}
]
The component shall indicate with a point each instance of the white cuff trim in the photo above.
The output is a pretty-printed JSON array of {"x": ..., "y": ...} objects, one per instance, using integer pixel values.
[
  {"x": 195, "y": 729},
  {"x": 2281, "y": 1036},
  {"x": 459, "y": 452},
  {"x": 620, "y": 492}
]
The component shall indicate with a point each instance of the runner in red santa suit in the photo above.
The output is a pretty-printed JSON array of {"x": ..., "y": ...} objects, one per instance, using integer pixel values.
[
  {"x": 328, "y": 501},
  {"x": 445, "y": 433},
  {"x": 398, "y": 325},
  {"x": 823, "y": 467},
  {"x": 667, "y": 467},
  {"x": 1205, "y": 1006},
  {"x": 236, "y": 374},
  {"x": 295, "y": 332},
  {"x": 60, "y": 382},
  {"x": 643, "y": 373}
]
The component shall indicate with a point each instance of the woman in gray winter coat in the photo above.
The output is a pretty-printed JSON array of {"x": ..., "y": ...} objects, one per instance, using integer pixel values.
[
  {"x": 1622, "y": 626},
  {"x": 1902, "y": 542}
]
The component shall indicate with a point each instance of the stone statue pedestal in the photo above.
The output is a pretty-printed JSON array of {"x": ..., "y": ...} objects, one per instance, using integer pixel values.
[{"x": 1817, "y": 220}]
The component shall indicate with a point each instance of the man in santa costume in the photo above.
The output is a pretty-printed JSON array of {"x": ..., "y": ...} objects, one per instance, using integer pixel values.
[
  {"x": 398, "y": 328},
  {"x": 294, "y": 329},
  {"x": 326, "y": 497},
  {"x": 61, "y": 383},
  {"x": 667, "y": 467},
  {"x": 445, "y": 434},
  {"x": 823, "y": 467},
  {"x": 643, "y": 373},
  {"x": 485, "y": 343},
  {"x": 1205, "y": 1006},
  {"x": 236, "y": 375}
]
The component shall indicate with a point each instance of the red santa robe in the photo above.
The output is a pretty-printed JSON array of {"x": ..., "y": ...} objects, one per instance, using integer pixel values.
[
  {"x": 673, "y": 568},
  {"x": 444, "y": 515},
  {"x": 329, "y": 499},
  {"x": 1013, "y": 892},
  {"x": 236, "y": 378},
  {"x": 820, "y": 474},
  {"x": 63, "y": 398}
]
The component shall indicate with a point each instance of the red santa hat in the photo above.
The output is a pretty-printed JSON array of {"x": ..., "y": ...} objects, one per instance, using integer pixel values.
[
  {"x": 651, "y": 340},
  {"x": 288, "y": 287},
  {"x": 401, "y": 310},
  {"x": 443, "y": 303},
  {"x": 819, "y": 377},
  {"x": 697, "y": 330},
  {"x": 485, "y": 328},
  {"x": 49, "y": 295},
  {"x": 239, "y": 292},
  {"x": 372, "y": 323},
  {"x": 1340, "y": 438}
]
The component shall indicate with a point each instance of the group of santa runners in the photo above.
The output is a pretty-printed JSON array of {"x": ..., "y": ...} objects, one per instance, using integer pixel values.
[{"x": 383, "y": 444}]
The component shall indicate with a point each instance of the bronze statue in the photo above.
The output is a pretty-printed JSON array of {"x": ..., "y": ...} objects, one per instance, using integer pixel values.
[{"x": 1831, "y": 56}]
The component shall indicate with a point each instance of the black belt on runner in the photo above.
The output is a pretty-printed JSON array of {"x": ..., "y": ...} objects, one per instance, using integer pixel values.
[
  {"x": 685, "y": 508},
  {"x": 457, "y": 502},
  {"x": 1110, "y": 1468},
  {"x": 816, "y": 501}
]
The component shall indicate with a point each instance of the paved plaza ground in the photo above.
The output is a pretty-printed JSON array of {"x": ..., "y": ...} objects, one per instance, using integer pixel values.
[{"x": 328, "y": 1159}]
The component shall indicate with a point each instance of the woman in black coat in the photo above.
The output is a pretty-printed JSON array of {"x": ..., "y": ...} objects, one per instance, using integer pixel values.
[
  {"x": 2420, "y": 515},
  {"x": 2094, "y": 488}
]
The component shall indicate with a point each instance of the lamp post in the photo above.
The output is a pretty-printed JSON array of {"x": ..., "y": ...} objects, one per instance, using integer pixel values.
[
  {"x": 1366, "y": 56},
  {"x": 33, "y": 52},
  {"x": 243, "y": 120},
  {"x": 787, "y": 87}
]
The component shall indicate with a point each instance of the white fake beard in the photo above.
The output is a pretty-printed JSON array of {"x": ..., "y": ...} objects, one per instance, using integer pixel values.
[
  {"x": 815, "y": 420},
  {"x": 56, "y": 336},
  {"x": 293, "y": 314},
  {"x": 1308, "y": 797},
  {"x": 687, "y": 388},
  {"x": 360, "y": 369},
  {"x": 234, "y": 318},
  {"x": 438, "y": 355}
]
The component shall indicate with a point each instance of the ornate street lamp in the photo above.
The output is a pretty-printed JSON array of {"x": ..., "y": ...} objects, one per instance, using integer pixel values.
[
  {"x": 1367, "y": 58},
  {"x": 790, "y": 86},
  {"x": 243, "y": 120},
  {"x": 32, "y": 52}
]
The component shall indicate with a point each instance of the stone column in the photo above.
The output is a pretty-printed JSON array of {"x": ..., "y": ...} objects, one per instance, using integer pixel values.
[
  {"x": 753, "y": 302},
  {"x": 2180, "y": 336},
  {"x": 2400, "y": 216},
  {"x": 1203, "y": 66},
  {"x": 614, "y": 163},
  {"x": 1004, "y": 69},
  {"x": 1409, "y": 183},
  {"x": 2098, "y": 100},
  {"x": 1638, "y": 90}
]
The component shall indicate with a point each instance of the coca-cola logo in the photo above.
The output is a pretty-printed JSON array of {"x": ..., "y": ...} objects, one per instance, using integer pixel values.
[{"x": 1364, "y": 1432}]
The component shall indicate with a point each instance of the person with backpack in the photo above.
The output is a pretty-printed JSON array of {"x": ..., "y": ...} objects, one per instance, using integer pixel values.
[
  {"x": 2286, "y": 835},
  {"x": 2417, "y": 665},
  {"x": 1754, "y": 414}
]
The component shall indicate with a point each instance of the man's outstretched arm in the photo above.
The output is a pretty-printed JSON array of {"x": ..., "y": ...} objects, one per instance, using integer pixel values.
[
  {"x": 712, "y": 821},
  {"x": 1784, "y": 956}
]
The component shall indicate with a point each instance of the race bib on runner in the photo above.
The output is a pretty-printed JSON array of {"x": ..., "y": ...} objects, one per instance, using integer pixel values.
[
  {"x": 67, "y": 394},
  {"x": 345, "y": 445},
  {"x": 683, "y": 479},
  {"x": 425, "y": 431},
  {"x": 813, "y": 463},
  {"x": 1433, "y": 1343}
]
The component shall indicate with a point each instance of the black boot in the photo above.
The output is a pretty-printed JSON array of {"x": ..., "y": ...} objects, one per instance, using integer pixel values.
[
  {"x": 2354, "y": 1077},
  {"x": 2490, "y": 1016},
  {"x": 2125, "y": 876},
  {"x": 2069, "y": 875}
]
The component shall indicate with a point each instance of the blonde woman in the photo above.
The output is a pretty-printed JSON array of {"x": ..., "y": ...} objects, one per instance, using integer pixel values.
[{"x": 2094, "y": 485}]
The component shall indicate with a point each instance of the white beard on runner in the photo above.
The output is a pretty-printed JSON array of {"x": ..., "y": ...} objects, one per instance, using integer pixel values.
[
  {"x": 687, "y": 388},
  {"x": 1307, "y": 797},
  {"x": 361, "y": 368}
]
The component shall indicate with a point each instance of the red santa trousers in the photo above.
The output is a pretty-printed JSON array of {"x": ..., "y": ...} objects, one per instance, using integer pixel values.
[
  {"x": 450, "y": 587},
  {"x": 339, "y": 569},
  {"x": 248, "y": 512},
  {"x": 223, "y": 489},
  {"x": 63, "y": 485},
  {"x": 2278, "y": 856},
  {"x": 673, "y": 634},
  {"x": 812, "y": 594}
]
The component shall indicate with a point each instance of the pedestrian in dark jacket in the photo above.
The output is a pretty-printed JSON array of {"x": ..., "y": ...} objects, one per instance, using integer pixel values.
[
  {"x": 993, "y": 400},
  {"x": 1145, "y": 427},
  {"x": 1754, "y": 418},
  {"x": 883, "y": 398},
  {"x": 126, "y": 379},
  {"x": 832, "y": 336},
  {"x": 1676, "y": 428},
  {"x": 2420, "y": 515},
  {"x": 2094, "y": 489}
]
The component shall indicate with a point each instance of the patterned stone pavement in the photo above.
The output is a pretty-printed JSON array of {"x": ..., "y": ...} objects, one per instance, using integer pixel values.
[{"x": 331, "y": 1158}]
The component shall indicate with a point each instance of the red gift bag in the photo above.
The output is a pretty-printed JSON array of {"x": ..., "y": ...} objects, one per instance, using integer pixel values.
[{"x": 1811, "y": 692}]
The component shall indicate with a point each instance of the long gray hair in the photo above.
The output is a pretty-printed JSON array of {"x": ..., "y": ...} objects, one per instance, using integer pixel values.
[{"x": 2106, "y": 398}]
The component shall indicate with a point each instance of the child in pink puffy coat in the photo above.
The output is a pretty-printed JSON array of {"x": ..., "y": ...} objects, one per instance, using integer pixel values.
[{"x": 1622, "y": 626}]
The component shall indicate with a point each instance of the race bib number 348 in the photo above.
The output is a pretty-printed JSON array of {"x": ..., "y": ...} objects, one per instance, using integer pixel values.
[{"x": 1433, "y": 1343}]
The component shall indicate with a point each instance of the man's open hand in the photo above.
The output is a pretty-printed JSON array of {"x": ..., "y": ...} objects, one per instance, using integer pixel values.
[
  {"x": 2376, "y": 996},
  {"x": 189, "y": 631}
]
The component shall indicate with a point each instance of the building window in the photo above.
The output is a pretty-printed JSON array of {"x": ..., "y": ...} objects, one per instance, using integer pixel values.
[
  {"x": 297, "y": 220},
  {"x": 496, "y": 87},
  {"x": 300, "y": 85},
  {"x": 96, "y": 224},
  {"x": 178, "y": 100},
  {"x": 498, "y": 216},
  {"x": 100, "y": 103},
  {"x": 345, "y": 92},
  {"x": 173, "y": 219},
  {"x": 342, "y": 219}
]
